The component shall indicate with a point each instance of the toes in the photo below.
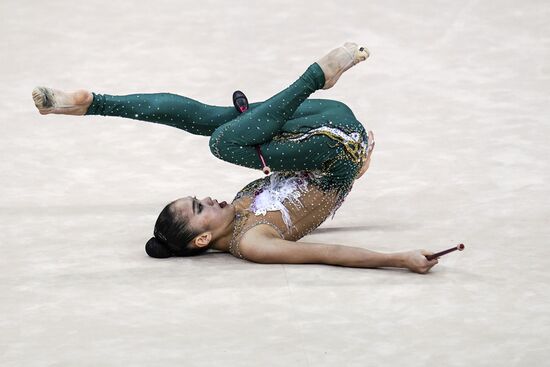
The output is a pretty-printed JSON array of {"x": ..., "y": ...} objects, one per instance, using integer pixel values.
[
  {"x": 37, "y": 97},
  {"x": 41, "y": 97},
  {"x": 364, "y": 52}
]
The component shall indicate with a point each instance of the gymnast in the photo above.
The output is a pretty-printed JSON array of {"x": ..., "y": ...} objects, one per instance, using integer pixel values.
[{"x": 315, "y": 148}]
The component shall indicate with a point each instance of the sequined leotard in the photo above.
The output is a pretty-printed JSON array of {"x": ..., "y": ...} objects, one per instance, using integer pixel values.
[
  {"x": 314, "y": 147},
  {"x": 293, "y": 203}
]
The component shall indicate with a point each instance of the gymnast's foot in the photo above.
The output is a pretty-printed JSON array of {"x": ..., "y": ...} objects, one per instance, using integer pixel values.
[
  {"x": 49, "y": 100},
  {"x": 337, "y": 61}
]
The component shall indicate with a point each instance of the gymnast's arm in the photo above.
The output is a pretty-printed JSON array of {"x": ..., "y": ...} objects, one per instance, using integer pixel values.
[{"x": 268, "y": 249}]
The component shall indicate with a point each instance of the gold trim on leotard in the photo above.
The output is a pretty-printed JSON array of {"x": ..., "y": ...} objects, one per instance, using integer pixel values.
[{"x": 352, "y": 143}]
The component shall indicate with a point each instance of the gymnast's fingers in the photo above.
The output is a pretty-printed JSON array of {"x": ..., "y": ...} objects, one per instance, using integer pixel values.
[
  {"x": 427, "y": 253},
  {"x": 371, "y": 142},
  {"x": 431, "y": 264}
]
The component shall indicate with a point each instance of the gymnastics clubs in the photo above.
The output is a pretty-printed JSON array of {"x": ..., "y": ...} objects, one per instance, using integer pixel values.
[
  {"x": 241, "y": 105},
  {"x": 459, "y": 247}
]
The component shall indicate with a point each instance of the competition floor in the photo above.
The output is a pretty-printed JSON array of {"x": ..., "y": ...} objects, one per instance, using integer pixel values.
[{"x": 457, "y": 94}]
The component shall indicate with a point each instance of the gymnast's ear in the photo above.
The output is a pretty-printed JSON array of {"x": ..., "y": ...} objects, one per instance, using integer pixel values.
[
  {"x": 203, "y": 239},
  {"x": 157, "y": 249}
]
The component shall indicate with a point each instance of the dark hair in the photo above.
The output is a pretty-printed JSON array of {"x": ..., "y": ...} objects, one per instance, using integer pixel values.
[{"x": 172, "y": 235}]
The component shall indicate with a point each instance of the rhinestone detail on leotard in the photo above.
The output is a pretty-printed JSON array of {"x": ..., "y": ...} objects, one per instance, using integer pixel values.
[{"x": 314, "y": 206}]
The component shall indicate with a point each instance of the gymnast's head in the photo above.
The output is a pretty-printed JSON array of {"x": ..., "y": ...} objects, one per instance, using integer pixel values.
[{"x": 189, "y": 227}]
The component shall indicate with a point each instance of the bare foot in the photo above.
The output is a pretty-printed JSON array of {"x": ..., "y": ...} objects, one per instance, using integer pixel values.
[
  {"x": 337, "y": 61},
  {"x": 49, "y": 100},
  {"x": 366, "y": 162}
]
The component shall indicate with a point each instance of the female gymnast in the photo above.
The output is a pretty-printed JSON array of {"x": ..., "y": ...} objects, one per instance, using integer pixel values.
[{"x": 316, "y": 149}]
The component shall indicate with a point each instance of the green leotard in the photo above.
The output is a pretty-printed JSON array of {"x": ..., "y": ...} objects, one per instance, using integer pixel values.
[{"x": 293, "y": 132}]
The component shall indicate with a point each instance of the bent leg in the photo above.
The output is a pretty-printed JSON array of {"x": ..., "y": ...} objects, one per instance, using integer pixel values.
[
  {"x": 306, "y": 142},
  {"x": 330, "y": 140},
  {"x": 261, "y": 124},
  {"x": 312, "y": 143}
]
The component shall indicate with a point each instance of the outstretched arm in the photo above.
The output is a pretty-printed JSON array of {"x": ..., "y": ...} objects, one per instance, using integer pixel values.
[{"x": 264, "y": 249}]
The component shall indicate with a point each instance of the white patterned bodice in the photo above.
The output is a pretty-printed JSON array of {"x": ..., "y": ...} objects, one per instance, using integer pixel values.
[{"x": 289, "y": 202}]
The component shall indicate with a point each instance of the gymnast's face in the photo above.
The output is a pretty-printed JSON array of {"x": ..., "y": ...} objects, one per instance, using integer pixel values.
[{"x": 206, "y": 215}]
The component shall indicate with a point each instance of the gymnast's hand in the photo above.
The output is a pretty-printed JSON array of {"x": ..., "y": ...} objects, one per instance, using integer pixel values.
[
  {"x": 416, "y": 261},
  {"x": 366, "y": 162}
]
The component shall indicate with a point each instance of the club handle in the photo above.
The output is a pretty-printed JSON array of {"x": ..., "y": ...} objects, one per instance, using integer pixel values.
[{"x": 458, "y": 247}]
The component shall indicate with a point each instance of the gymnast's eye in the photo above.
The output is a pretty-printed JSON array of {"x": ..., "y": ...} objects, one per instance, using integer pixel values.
[{"x": 200, "y": 208}]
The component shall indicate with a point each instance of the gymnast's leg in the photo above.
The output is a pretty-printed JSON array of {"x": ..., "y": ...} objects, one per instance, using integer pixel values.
[
  {"x": 267, "y": 118},
  {"x": 167, "y": 108},
  {"x": 163, "y": 108},
  {"x": 301, "y": 143}
]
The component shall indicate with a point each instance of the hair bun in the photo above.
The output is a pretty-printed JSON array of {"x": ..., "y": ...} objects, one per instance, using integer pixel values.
[{"x": 157, "y": 249}]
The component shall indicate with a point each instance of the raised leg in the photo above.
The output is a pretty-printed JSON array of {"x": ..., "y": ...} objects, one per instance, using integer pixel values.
[{"x": 331, "y": 141}]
